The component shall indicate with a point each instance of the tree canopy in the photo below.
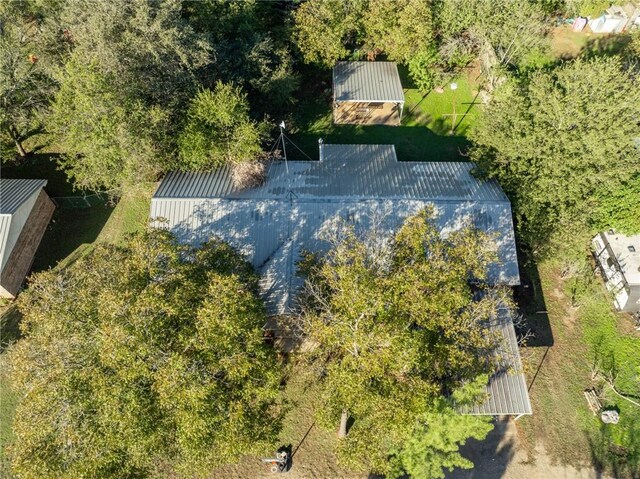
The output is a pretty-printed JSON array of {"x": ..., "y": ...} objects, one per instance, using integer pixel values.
[
  {"x": 394, "y": 328},
  {"x": 127, "y": 70},
  {"x": 219, "y": 130},
  {"x": 434, "y": 39},
  {"x": 142, "y": 358},
  {"x": 560, "y": 142},
  {"x": 25, "y": 83}
]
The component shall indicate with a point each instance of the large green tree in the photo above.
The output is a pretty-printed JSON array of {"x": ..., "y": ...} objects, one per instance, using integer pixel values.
[
  {"x": 434, "y": 444},
  {"x": 394, "y": 329},
  {"x": 142, "y": 358},
  {"x": 25, "y": 81},
  {"x": 511, "y": 29},
  {"x": 128, "y": 70},
  {"x": 558, "y": 142},
  {"x": 325, "y": 31},
  {"x": 251, "y": 43},
  {"x": 219, "y": 130},
  {"x": 110, "y": 140},
  {"x": 400, "y": 29}
]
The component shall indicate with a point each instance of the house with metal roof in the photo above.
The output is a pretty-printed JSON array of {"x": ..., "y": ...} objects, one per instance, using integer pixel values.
[
  {"x": 300, "y": 203},
  {"x": 367, "y": 93},
  {"x": 25, "y": 212},
  {"x": 619, "y": 258}
]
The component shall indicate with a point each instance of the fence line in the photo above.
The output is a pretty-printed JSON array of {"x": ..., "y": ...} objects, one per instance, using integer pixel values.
[{"x": 84, "y": 201}]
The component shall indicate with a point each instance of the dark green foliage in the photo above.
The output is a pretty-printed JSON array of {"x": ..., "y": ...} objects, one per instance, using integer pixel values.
[
  {"x": 394, "y": 329},
  {"x": 434, "y": 443},
  {"x": 26, "y": 85},
  {"x": 219, "y": 130},
  {"x": 250, "y": 39},
  {"x": 560, "y": 144},
  {"x": 128, "y": 71},
  {"x": 142, "y": 358},
  {"x": 619, "y": 208},
  {"x": 112, "y": 141}
]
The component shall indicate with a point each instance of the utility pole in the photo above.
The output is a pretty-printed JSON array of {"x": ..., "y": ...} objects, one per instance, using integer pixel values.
[{"x": 284, "y": 148}]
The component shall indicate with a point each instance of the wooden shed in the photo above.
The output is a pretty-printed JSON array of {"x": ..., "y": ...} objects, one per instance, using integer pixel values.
[
  {"x": 367, "y": 93},
  {"x": 25, "y": 212}
]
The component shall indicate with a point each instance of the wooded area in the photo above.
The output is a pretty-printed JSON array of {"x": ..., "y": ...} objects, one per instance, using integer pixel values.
[{"x": 148, "y": 358}]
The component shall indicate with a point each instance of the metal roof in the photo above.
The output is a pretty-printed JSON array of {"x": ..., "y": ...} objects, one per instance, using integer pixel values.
[
  {"x": 14, "y": 192},
  {"x": 367, "y": 82},
  {"x": 363, "y": 185},
  {"x": 360, "y": 183},
  {"x": 344, "y": 172},
  {"x": 507, "y": 388}
]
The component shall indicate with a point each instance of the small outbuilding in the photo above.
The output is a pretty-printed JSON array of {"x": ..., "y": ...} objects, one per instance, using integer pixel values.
[
  {"x": 367, "y": 93},
  {"x": 616, "y": 19},
  {"x": 619, "y": 258},
  {"x": 25, "y": 212}
]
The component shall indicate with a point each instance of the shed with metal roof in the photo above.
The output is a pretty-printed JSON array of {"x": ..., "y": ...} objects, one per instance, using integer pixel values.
[
  {"x": 367, "y": 93},
  {"x": 25, "y": 212}
]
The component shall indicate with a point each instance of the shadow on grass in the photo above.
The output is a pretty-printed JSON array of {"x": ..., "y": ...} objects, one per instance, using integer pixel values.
[
  {"x": 9, "y": 326},
  {"x": 69, "y": 234},
  {"x": 603, "y": 46},
  {"x": 609, "y": 458},
  {"x": 413, "y": 143},
  {"x": 531, "y": 304},
  {"x": 41, "y": 166}
]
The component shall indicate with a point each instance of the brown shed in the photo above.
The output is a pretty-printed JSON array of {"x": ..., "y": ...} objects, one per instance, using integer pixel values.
[
  {"x": 367, "y": 93},
  {"x": 25, "y": 212}
]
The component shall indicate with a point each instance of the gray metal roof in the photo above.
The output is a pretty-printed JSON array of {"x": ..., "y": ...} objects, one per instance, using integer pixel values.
[
  {"x": 367, "y": 81},
  {"x": 363, "y": 185},
  {"x": 359, "y": 183},
  {"x": 507, "y": 388},
  {"x": 345, "y": 172},
  {"x": 14, "y": 192}
]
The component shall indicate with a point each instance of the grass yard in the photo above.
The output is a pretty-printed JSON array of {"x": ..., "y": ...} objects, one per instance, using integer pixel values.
[
  {"x": 423, "y": 135},
  {"x": 311, "y": 446},
  {"x": 563, "y": 366}
]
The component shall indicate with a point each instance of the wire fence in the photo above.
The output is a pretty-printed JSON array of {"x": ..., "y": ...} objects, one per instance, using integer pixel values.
[{"x": 84, "y": 201}]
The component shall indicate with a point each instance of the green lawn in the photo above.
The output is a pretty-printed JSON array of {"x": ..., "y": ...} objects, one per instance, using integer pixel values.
[
  {"x": 578, "y": 335},
  {"x": 423, "y": 136}
]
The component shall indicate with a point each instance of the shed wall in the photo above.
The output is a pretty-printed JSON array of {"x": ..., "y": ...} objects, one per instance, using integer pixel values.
[
  {"x": 363, "y": 113},
  {"x": 21, "y": 258}
]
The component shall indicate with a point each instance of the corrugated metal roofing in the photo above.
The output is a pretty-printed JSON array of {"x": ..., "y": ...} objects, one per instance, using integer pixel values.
[
  {"x": 367, "y": 82},
  {"x": 507, "y": 388},
  {"x": 345, "y": 172},
  {"x": 359, "y": 184},
  {"x": 353, "y": 182},
  {"x": 14, "y": 192}
]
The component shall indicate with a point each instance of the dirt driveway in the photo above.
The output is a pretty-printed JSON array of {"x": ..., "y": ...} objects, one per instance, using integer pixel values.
[{"x": 500, "y": 457}]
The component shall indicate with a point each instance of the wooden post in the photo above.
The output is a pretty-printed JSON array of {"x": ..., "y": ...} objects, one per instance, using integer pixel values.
[{"x": 342, "y": 432}]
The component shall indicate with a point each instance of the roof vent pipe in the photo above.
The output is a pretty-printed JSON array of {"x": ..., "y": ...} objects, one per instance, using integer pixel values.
[{"x": 321, "y": 146}]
